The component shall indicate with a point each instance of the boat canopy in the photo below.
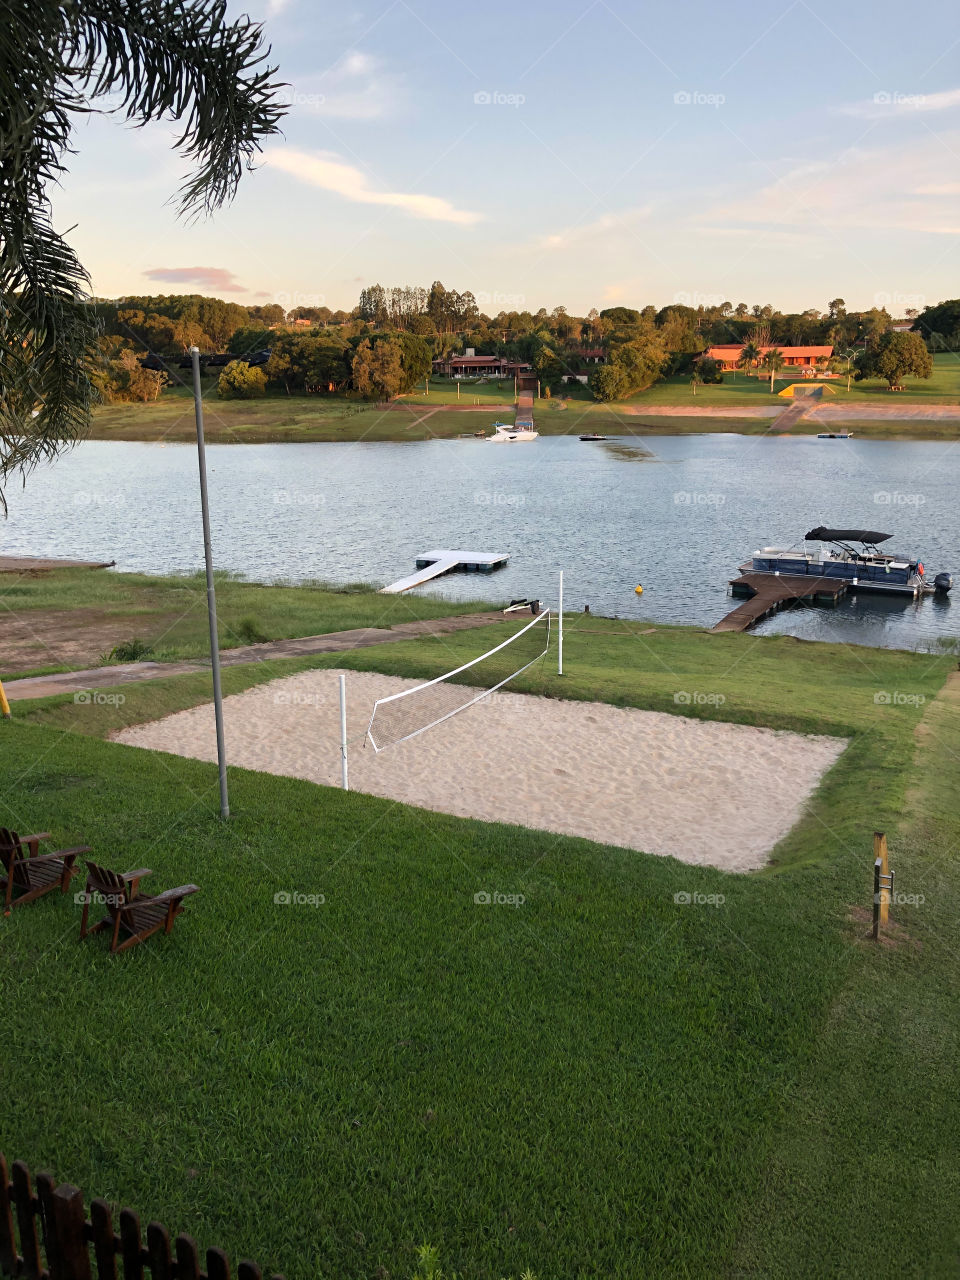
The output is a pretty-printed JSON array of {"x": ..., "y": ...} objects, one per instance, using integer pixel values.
[{"x": 822, "y": 534}]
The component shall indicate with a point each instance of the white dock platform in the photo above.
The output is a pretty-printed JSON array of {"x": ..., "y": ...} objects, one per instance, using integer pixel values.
[{"x": 431, "y": 564}]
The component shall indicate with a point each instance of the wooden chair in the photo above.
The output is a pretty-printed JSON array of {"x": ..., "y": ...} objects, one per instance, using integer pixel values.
[
  {"x": 128, "y": 911},
  {"x": 28, "y": 873}
]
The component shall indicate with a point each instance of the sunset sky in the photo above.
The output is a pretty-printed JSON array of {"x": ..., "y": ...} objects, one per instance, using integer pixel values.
[{"x": 587, "y": 154}]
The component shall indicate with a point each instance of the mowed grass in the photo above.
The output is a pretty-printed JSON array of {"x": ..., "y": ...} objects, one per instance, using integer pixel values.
[
  {"x": 600, "y": 1082},
  {"x": 169, "y": 613},
  {"x": 279, "y": 417},
  {"x": 942, "y": 387}
]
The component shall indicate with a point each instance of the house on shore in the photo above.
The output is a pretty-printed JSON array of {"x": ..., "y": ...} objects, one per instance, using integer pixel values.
[
  {"x": 728, "y": 353},
  {"x": 470, "y": 365}
]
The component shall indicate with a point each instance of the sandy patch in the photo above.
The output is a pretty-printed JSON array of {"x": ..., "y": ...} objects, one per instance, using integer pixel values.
[{"x": 708, "y": 793}]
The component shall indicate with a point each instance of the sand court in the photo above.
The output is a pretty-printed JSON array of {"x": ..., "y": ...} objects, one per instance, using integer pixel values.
[{"x": 706, "y": 793}]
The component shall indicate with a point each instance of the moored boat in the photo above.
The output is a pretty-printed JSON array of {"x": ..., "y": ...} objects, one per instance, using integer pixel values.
[
  {"x": 852, "y": 555},
  {"x": 593, "y": 436},
  {"x": 507, "y": 432}
]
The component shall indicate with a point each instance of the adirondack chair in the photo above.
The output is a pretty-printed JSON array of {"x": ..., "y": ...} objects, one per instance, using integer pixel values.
[
  {"x": 27, "y": 873},
  {"x": 128, "y": 911}
]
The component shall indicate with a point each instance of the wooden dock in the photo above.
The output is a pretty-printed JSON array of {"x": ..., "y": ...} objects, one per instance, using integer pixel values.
[
  {"x": 431, "y": 564},
  {"x": 769, "y": 592},
  {"x": 45, "y": 564}
]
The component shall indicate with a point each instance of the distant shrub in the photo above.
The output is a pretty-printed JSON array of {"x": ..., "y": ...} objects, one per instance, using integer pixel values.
[
  {"x": 248, "y": 630},
  {"x": 240, "y": 381},
  {"x": 128, "y": 651}
]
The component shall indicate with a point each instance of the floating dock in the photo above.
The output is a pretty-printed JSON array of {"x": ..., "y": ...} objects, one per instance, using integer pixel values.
[
  {"x": 432, "y": 564},
  {"x": 769, "y": 592}
]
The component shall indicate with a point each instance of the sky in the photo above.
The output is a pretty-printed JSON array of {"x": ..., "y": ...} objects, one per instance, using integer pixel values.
[{"x": 563, "y": 152}]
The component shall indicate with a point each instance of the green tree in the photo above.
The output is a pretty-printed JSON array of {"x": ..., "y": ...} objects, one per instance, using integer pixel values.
[
  {"x": 378, "y": 369},
  {"x": 896, "y": 356},
  {"x": 121, "y": 378},
  {"x": 749, "y": 357},
  {"x": 773, "y": 361},
  {"x": 606, "y": 383},
  {"x": 241, "y": 381},
  {"x": 187, "y": 62}
]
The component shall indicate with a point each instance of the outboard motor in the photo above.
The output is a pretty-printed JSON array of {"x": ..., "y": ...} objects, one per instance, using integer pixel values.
[{"x": 942, "y": 583}]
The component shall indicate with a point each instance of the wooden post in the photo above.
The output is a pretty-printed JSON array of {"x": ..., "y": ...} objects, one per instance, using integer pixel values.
[
  {"x": 880, "y": 855},
  {"x": 69, "y": 1258}
]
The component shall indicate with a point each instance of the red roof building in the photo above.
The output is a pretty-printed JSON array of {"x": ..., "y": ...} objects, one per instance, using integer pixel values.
[{"x": 728, "y": 353}]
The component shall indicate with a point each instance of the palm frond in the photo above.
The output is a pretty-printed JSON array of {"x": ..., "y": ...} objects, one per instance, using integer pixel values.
[{"x": 162, "y": 59}]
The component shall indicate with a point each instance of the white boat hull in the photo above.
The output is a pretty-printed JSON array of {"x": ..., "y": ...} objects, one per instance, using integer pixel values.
[{"x": 508, "y": 437}]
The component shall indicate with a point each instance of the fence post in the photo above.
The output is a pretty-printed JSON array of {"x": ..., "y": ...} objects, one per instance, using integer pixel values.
[
  {"x": 876, "y": 899},
  {"x": 104, "y": 1243},
  {"x": 130, "y": 1246},
  {"x": 26, "y": 1221},
  {"x": 67, "y": 1252},
  {"x": 8, "y": 1241},
  {"x": 880, "y": 855}
]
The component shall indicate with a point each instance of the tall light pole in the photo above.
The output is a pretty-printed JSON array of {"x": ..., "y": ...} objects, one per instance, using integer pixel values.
[{"x": 211, "y": 594}]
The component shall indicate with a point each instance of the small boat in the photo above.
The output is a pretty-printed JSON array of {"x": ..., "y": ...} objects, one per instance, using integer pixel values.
[
  {"x": 834, "y": 435},
  {"x": 506, "y": 432},
  {"x": 863, "y": 566},
  {"x": 593, "y": 436}
]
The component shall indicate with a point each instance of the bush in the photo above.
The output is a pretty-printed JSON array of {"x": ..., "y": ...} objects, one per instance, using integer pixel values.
[{"x": 240, "y": 381}]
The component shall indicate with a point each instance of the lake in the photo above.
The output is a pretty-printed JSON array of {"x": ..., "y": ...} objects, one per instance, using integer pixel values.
[{"x": 677, "y": 514}]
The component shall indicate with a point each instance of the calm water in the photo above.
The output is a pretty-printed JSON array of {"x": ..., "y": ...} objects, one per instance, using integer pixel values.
[{"x": 677, "y": 514}]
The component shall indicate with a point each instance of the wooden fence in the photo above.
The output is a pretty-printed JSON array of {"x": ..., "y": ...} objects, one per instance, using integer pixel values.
[{"x": 56, "y": 1238}]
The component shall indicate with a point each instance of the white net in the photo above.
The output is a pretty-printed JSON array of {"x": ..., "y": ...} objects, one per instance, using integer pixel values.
[{"x": 404, "y": 715}]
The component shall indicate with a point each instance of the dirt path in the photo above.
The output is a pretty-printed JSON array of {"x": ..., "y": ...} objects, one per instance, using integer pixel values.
[{"x": 303, "y": 646}]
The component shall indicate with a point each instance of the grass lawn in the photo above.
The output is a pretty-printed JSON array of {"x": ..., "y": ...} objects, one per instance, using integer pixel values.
[
  {"x": 414, "y": 417},
  {"x": 602, "y": 1082},
  {"x": 92, "y": 611},
  {"x": 737, "y": 388}
]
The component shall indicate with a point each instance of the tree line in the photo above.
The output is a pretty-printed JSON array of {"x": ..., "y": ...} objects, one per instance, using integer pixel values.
[{"x": 385, "y": 344}]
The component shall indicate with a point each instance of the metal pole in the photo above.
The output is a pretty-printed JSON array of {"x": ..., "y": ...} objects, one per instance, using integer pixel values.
[
  {"x": 560, "y": 629},
  {"x": 211, "y": 594},
  {"x": 343, "y": 732}
]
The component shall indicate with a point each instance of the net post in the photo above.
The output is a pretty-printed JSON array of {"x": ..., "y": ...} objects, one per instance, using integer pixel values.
[
  {"x": 343, "y": 732},
  {"x": 560, "y": 628}
]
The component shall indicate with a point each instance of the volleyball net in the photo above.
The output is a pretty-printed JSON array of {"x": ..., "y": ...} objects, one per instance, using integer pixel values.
[{"x": 404, "y": 715}]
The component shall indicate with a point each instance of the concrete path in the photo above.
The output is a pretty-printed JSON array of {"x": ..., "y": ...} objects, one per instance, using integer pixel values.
[{"x": 303, "y": 646}]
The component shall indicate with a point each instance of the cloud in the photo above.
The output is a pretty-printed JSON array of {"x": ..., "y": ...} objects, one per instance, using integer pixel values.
[
  {"x": 218, "y": 278},
  {"x": 358, "y": 87},
  {"x": 886, "y": 189},
  {"x": 327, "y": 170},
  {"x": 599, "y": 229},
  {"x": 891, "y": 102}
]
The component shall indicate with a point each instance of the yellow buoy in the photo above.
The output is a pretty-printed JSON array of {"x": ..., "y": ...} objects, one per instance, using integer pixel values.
[{"x": 639, "y": 591}]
